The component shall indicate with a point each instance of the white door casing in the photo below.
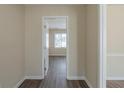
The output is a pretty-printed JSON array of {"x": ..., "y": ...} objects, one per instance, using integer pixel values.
[{"x": 46, "y": 51}]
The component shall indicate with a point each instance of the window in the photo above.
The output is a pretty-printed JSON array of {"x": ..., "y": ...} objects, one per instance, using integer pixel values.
[
  {"x": 47, "y": 40},
  {"x": 60, "y": 40}
]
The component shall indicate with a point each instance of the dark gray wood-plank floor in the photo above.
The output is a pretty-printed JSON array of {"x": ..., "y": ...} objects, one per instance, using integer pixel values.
[
  {"x": 56, "y": 77},
  {"x": 115, "y": 83}
]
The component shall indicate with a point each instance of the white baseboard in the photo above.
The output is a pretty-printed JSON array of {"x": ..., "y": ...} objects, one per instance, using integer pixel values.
[
  {"x": 27, "y": 77},
  {"x": 76, "y": 78},
  {"x": 88, "y": 83},
  {"x": 57, "y": 54},
  {"x": 80, "y": 78},
  {"x": 19, "y": 83},
  {"x": 115, "y": 78},
  {"x": 68, "y": 78},
  {"x": 34, "y": 77}
]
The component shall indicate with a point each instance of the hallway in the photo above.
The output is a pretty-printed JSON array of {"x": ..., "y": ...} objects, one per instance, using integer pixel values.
[{"x": 56, "y": 77}]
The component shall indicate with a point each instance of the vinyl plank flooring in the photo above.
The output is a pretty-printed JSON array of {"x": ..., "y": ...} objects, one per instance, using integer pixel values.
[
  {"x": 29, "y": 83},
  {"x": 115, "y": 83},
  {"x": 56, "y": 77}
]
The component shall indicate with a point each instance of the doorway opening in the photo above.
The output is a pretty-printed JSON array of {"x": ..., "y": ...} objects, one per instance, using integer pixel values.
[{"x": 55, "y": 47}]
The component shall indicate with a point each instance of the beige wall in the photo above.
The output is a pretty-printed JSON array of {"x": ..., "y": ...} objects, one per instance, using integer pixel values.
[
  {"x": 81, "y": 41},
  {"x": 52, "y": 50},
  {"x": 92, "y": 44},
  {"x": 19, "y": 34},
  {"x": 11, "y": 44},
  {"x": 115, "y": 44},
  {"x": 33, "y": 19}
]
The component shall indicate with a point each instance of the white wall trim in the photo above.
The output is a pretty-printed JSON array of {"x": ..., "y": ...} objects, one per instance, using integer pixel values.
[
  {"x": 102, "y": 44},
  {"x": 80, "y": 78},
  {"x": 115, "y": 78},
  {"x": 34, "y": 77},
  {"x": 68, "y": 78},
  {"x": 41, "y": 77},
  {"x": 88, "y": 83},
  {"x": 76, "y": 78},
  {"x": 57, "y": 54},
  {"x": 67, "y": 49},
  {"x": 19, "y": 83},
  {"x": 115, "y": 54},
  {"x": 27, "y": 77}
]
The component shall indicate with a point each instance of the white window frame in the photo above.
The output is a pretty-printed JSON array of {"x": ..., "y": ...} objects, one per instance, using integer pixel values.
[{"x": 61, "y": 41}]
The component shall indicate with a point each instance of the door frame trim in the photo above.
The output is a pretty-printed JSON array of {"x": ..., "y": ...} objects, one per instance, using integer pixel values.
[
  {"x": 67, "y": 49},
  {"x": 102, "y": 43}
]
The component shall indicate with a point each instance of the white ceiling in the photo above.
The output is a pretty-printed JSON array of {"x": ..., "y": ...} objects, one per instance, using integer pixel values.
[{"x": 56, "y": 23}]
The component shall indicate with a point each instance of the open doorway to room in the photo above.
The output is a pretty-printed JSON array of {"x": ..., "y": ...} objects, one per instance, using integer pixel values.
[
  {"x": 55, "y": 50},
  {"x": 55, "y": 54}
]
